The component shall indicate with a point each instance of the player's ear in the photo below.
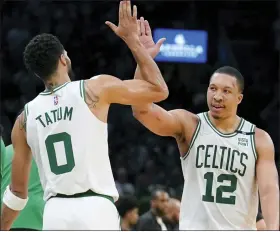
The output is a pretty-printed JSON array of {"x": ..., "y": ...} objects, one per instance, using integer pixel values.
[
  {"x": 62, "y": 59},
  {"x": 240, "y": 97}
]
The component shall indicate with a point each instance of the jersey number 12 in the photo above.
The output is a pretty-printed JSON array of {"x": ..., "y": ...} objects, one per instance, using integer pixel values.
[{"x": 209, "y": 176}]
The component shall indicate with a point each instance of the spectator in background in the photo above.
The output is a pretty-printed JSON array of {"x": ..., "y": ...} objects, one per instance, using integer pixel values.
[
  {"x": 154, "y": 218},
  {"x": 128, "y": 210},
  {"x": 123, "y": 187},
  {"x": 173, "y": 213}
]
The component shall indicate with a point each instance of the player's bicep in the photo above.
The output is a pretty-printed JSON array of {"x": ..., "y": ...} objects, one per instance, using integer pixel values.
[
  {"x": 266, "y": 171},
  {"x": 22, "y": 158},
  {"x": 158, "y": 120},
  {"x": 130, "y": 92}
]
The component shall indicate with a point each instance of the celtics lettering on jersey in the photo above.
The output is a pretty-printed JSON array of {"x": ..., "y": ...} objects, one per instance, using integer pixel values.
[
  {"x": 220, "y": 162},
  {"x": 62, "y": 113},
  {"x": 230, "y": 159}
]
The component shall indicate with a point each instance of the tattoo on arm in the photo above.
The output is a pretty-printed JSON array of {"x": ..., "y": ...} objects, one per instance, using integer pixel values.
[{"x": 91, "y": 98}]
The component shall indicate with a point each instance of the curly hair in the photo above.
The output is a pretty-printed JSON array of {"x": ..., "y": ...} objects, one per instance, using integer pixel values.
[{"x": 41, "y": 55}]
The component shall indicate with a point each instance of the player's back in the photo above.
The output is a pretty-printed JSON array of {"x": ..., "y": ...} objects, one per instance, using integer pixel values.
[
  {"x": 69, "y": 143},
  {"x": 220, "y": 191}
]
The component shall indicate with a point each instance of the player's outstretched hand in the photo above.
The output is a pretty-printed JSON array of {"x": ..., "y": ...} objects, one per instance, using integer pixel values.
[
  {"x": 146, "y": 38},
  {"x": 127, "y": 27}
]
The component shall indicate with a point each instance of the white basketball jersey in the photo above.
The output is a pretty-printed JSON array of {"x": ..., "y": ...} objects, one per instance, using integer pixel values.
[
  {"x": 220, "y": 189},
  {"x": 69, "y": 143}
]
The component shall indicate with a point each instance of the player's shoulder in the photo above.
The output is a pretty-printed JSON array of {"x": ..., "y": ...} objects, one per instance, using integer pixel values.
[
  {"x": 189, "y": 121},
  {"x": 263, "y": 141},
  {"x": 185, "y": 115},
  {"x": 103, "y": 78},
  {"x": 262, "y": 136}
]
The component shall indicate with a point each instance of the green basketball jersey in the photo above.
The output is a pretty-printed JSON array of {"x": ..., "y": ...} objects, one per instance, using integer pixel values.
[{"x": 31, "y": 217}]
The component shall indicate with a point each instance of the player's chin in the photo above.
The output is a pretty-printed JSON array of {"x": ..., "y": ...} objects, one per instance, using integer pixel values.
[{"x": 216, "y": 112}]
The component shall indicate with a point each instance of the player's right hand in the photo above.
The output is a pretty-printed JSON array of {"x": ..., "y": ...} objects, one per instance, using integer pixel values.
[
  {"x": 146, "y": 38},
  {"x": 127, "y": 28}
]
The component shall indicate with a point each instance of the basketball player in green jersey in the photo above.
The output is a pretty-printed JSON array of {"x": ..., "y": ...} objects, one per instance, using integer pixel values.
[
  {"x": 65, "y": 129},
  {"x": 31, "y": 217},
  {"x": 225, "y": 159}
]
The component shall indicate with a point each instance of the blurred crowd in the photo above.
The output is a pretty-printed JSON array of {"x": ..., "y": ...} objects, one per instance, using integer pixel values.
[{"x": 245, "y": 35}]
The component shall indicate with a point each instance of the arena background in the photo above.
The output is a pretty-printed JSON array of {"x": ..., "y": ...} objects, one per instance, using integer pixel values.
[{"x": 242, "y": 34}]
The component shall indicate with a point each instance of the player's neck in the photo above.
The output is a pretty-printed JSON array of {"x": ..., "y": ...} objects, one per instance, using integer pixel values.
[
  {"x": 56, "y": 81},
  {"x": 225, "y": 125}
]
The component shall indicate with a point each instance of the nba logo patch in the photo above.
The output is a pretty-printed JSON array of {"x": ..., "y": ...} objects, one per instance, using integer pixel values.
[{"x": 55, "y": 100}]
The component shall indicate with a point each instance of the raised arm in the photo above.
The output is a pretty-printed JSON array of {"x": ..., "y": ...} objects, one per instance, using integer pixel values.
[
  {"x": 153, "y": 117},
  {"x": 128, "y": 31},
  {"x": 109, "y": 89},
  {"x": 15, "y": 196},
  {"x": 172, "y": 123},
  {"x": 267, "y": 179}
]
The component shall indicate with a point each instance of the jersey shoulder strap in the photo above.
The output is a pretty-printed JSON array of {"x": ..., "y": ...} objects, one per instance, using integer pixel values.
[
  {"x": 25, "y": 115},
  {"x": 82, "y": 89}
]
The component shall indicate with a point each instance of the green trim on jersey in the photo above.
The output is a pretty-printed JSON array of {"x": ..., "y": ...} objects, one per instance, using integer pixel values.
[
  {"x": 193, "y": 139},
  {"x": 82, "y": 89},
  {"x": 25, "y": 115},
  {"x": 253, "y": 141},
  {"x": 48, "y": 92},
  {"x": 241, "y": 123}
]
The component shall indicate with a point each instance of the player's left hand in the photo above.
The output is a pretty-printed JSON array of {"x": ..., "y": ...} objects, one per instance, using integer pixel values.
[
  {"x": 146, "y": 38},
  {"x": 127, "y": 27}
]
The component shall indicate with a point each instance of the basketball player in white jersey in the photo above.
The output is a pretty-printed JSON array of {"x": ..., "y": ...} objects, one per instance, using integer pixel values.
[
  {"x": 65, "y": 128},
  {"x": 225, "y": 159}
]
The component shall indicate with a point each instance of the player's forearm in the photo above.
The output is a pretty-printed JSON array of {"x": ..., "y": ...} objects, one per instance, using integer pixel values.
[
  {"x": 270, "y": 207},
  {"x": 137, "y": 74},
  {"x": 8, "y": 216},
  {"x": 147, "y": 67},
  {"x": 139, "y": 108}
]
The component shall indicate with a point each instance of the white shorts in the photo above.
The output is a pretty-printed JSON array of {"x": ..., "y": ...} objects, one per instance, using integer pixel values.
[{"x": 83, "y": 213}]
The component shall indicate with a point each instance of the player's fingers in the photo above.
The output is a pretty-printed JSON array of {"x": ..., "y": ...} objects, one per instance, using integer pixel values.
[
  {"x": 128, "y": 8},
  {"x": 134, "y": 12},
  {"x": 121, "y": 10},
  {"x": 160, "y": 42},
  {"x": 147, "y": 28},
  {"x": 138, "y": 27},
  {"x": 124, "y": 9},
  {"x": 112, "y": 26},
  {"x": 142, "y": 26}
]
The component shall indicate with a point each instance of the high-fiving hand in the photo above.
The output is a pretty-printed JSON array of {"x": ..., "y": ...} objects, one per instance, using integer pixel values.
[
  {"x": 146, "y": 38},
  {"x": 127, "y": 27}
]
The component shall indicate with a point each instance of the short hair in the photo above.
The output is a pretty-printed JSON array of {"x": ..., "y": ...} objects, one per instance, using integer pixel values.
[
  {"x": 125, "y": 204},
  {"x": 41, "y": 55},
  {"x": 156, "y": 192},
  {"x": 234, "y": 73}
]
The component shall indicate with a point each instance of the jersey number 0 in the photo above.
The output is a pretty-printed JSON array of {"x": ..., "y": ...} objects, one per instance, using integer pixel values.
[{"x": 70, "y": 162}]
